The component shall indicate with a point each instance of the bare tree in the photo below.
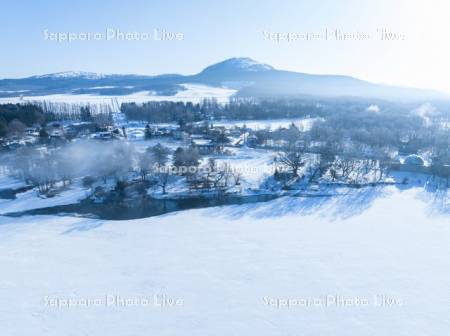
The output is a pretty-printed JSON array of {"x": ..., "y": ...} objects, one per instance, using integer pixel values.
[
  {"x": 144, "y": 163},
  {"x": 293, "y": 159}
]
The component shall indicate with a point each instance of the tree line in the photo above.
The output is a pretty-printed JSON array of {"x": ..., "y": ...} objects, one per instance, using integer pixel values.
[{"x": 14, "y": 118}]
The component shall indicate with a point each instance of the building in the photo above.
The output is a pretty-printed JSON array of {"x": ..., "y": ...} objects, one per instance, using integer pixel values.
[
  {"x": 207, "y": 147},
  {"x": 414, "y": 160}
]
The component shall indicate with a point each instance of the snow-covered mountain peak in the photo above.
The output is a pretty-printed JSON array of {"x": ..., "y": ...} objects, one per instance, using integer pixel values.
[
  {"x": 248, "y": 64},
  {"x": 239, "y": 64}
]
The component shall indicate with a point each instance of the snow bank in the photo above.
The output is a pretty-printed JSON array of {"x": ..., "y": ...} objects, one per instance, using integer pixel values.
[{"x": 31, "y": 200}]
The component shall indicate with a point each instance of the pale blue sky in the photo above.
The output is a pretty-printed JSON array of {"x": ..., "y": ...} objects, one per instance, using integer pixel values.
[{"x": 215, "y": 30}]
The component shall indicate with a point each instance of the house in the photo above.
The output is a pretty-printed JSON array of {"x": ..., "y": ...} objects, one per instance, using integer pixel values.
[
  {"x": 207, "y": 147},
  {"x": 32, "y": 131},
  {"x": 218, "y": 131},
  {"x": 252, "y": 140},
  {"x": 103, "y": 136},
  {"x": 412, "y": 163},
  {"x": 80, "y": 129},
  {"x": 56, "y": 134},
  {"x": 414, "y": 160}
]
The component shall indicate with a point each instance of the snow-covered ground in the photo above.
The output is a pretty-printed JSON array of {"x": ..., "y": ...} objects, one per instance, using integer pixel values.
[
  {"x": 253, "y": 164},
  {"x": 31, "y": 200},
  {"x": 371, "y": 263},
  {"x": 8, "y": 182}
]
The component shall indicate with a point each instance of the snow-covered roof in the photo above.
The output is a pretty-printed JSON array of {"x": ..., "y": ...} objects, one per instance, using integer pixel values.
[
  {"x": 414, "y": 160},
  {"x": 201, "y": 142}
]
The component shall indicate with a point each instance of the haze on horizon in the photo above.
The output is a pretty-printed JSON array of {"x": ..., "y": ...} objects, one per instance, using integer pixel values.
[{"x": 213, "y": 32}]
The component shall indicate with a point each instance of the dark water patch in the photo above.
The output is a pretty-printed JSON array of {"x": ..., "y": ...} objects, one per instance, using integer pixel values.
[
  {"x": 11, "y": 193},
  {"x": 143, "y": 208}
]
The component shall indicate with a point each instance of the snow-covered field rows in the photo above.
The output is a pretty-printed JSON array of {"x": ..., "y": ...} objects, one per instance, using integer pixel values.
[
  {"x": 193, "y": 93},
  {"x": 220, "y": 271}
]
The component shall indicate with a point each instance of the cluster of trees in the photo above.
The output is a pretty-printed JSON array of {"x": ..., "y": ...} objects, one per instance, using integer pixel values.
[
  {"x": 58, "y": 111},
  {"x": 98, "y": 114},
  {"x": 360, "y": 147},
  {"x": 209, "y": 109},
  {"x": 166, "y": 111},
  {"x": 45, "y": 168},
  {"x": 268, "y": 109},
  {"x": 115, "y": 162},
  {"x": 210, "y": 176},
  {"x": 257, "y": 109},
  {"x": 330, "y": 165},
  {"x": 440, "y": 155},
  {"x": 14, "y": 118},
  {"x": 158, "y": 112},
  {"x": 42, "y": 169},
  {"x": 186, "y": 162},
  {"x": 369, "y": 128},
  {"x": 377, "y": 136}
]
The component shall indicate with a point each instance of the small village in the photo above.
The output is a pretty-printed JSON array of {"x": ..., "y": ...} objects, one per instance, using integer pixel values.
[{"x": 136, "y": 160}]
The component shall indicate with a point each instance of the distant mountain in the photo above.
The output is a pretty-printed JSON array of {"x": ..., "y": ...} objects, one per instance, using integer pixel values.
[
  {"x": 249, "y": 77},
  {"x": 254, "y": 79},
  {"x": 72, "y": 74},
  {"x": 77, "y": 82}
]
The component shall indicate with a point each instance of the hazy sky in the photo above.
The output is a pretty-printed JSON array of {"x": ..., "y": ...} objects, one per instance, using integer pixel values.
[{"x": 213, "y": 31}]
